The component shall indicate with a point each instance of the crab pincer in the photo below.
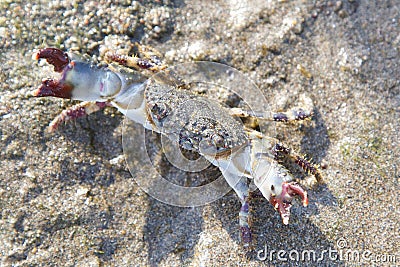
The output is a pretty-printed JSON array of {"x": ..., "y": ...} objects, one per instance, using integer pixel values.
[
  {"x": 52, "y": 87},
  {"x": 54, "y": 56},
  {"x": 282, "y": 203}
]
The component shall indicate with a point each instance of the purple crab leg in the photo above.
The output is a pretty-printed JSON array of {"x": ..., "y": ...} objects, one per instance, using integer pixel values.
[
  {"x": 292, "y": 115},
  {"x": 281, "y": 150},
  {"x": 151, "y": 64},
  {"x": 239, "y": 184},
  {"x": 245, "y": 231}
]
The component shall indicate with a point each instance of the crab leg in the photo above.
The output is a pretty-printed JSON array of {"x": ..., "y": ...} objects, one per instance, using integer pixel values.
[
  {"x": 242, "y": 190},
  {"x": 303, "y": 112},
  {"x": 77, "y": 111},
  {"x": 280, "y": 150},
  {"x": 134, "y": 62},
  {"x": 277, "y": 151},
  {"x": 294, "y": 114},
  {"x": 149, "y": 60}
]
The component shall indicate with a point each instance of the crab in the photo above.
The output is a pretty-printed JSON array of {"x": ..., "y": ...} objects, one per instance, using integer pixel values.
[{"x": 245, "y": 156}]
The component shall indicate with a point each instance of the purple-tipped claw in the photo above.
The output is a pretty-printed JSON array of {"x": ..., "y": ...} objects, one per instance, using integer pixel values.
[
  {"x": 54, "y": 56},
  {"x": 51, "y": 87},
  {"x": 282, "y": 203}
]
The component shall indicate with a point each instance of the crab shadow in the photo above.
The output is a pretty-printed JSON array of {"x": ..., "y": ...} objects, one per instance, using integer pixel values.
[
  {"x": 91, "y": 139},
  {"x": 168, "y": 230},
  {"x": 171, "y": 232},
  {"x": 316, "y": 140}
]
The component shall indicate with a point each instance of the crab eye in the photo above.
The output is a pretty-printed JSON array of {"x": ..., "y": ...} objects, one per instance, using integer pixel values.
[{"x": 272, "y": 187}]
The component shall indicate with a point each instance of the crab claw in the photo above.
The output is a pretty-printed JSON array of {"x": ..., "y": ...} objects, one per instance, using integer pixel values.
[
  {"x": 80, "y": 79},
  {"x": 51, "y": 87},
  {"x": 282, "y": 202}
]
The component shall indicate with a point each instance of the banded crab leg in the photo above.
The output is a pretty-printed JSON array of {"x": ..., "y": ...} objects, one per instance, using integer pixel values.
[
  {"x": 299, "y": 113},
  {"x": 77, "y": 111},
  {"x": 134, "y": 62},
  {"x": 149, "y": 60},
  {"x": 279, "y": 150},
  {"x": 240, "y": 186}
]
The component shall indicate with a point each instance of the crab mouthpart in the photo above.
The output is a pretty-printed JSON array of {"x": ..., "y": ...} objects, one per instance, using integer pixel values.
[
  {"x": 282, "y": 203},
  {"x": 62, "y": 63}
]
